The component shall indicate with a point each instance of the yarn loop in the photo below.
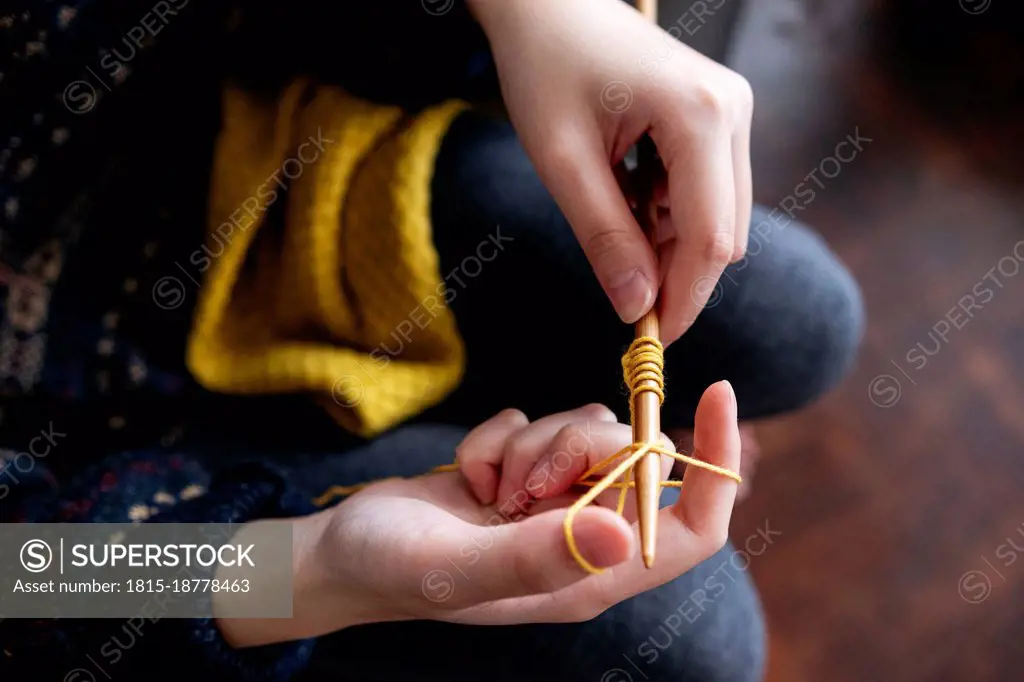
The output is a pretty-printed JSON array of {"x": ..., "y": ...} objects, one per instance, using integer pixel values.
[{"x": 643, "y": 367}]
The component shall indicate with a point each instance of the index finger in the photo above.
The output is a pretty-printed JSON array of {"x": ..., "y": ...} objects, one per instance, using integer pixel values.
[{"x": 702, "y": 191}]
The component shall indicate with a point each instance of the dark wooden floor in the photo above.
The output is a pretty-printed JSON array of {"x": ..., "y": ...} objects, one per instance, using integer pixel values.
[{"x": 899, "y": 494}]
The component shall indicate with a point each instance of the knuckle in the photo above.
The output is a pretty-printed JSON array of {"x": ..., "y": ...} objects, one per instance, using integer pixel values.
[
  {"x": 712, "y": 100},
  {"x": 582, "y": 612},
  {"x": 462, "y": 453},
  {"x": 517, "y": 450},
  {"x": 513, "y": 415},
  {"x": 739, "y": 251},
  {"x": 715, "y": 539},
  {"x": 603, "y": 243},
  {"x": 575, "y": 611},
  {"x": 718, "y": 247},
  {"x": 562, "y": 153},
  {"x": 598, "y": 412},
  {"x": 567, "y": 441},
  {"x": 744, "y": 94},
  {"x": 598, "y": 605}
]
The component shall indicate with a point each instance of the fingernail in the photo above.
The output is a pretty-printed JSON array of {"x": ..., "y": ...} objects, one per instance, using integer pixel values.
[
  {"x": 537, "y": 479},
  {"x": 732, "y": 394},
  {"x": 632, "y": 295},
  {"x": 594, "y": 543}
]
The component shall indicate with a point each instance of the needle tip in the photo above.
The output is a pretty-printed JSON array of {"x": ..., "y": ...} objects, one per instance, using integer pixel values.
[{"x": 648, "y": 480}]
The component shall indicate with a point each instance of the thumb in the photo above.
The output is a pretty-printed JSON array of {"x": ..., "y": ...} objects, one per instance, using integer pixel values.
[
  {"x": 578, "y": 174},
  {"x": 531, "y": 556}
]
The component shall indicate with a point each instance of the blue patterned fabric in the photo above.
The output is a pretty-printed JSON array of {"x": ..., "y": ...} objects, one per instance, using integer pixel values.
[
  {"x": 158, "y": 486},
  {"x": 94, "y": 147},
  {"x": 109, "y": 111}
]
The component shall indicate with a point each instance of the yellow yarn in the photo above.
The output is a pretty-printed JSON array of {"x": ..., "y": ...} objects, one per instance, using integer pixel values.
[
  {"x": 328, "y": 282},
  {"x": 642, "y": 369}
]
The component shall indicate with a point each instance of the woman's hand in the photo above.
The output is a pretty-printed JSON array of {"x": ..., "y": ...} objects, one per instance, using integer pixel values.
[
  {"x": 526, "y": 468},
  {"x": 438, "y": 548},
  {"x": 583, "y": 80}
]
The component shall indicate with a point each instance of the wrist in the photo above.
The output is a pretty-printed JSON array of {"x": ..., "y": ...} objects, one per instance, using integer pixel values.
[{"x": 315, "y": 605}]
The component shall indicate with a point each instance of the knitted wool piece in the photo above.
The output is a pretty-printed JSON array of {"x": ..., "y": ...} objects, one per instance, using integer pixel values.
[{"x": 320, "y": 273}]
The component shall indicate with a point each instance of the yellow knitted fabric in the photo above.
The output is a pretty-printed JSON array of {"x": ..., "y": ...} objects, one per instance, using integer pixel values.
[{"x": 320, "y": 274}]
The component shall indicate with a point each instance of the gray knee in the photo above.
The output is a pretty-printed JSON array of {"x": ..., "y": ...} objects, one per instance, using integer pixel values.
[
  {"x": 705, "y": 626},
  {"x": 811, "y": 319}
]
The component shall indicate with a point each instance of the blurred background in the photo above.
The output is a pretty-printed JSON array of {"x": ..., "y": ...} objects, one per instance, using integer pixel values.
[{"x": 898, "y": 502}]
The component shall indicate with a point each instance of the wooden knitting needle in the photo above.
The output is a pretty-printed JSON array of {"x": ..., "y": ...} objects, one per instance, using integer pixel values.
[
  {"x": 647, "y": 407},
  {"x": 648, "y": 8}
]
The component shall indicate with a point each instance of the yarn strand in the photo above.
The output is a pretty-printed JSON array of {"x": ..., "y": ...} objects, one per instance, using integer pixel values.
[{"x": 643, "y": 371}]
